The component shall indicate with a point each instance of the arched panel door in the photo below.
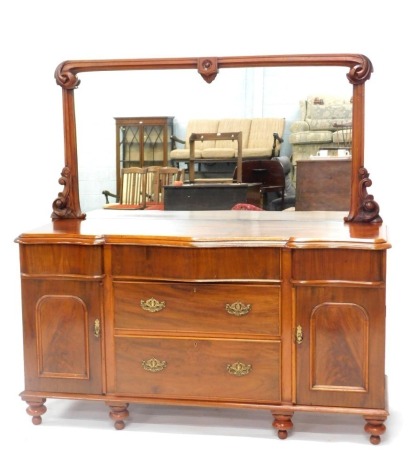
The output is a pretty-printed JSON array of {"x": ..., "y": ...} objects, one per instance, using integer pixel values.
[{"x": 339, "y": 346}]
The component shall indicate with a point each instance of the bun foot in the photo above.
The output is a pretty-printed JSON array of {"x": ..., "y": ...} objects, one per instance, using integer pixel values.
[
  {"x": 119, "y": 412},
  {"x": 282, "y": 422},
  {"x": 375, "y": 428},
  {"x": 36, "y": 409}
]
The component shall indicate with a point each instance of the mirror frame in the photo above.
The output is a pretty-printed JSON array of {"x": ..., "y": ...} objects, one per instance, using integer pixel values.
[{"x": 363, "y": 207}]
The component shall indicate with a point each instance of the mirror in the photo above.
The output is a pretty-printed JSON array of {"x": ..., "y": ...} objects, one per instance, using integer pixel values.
[{"x": 230, "y": 87}]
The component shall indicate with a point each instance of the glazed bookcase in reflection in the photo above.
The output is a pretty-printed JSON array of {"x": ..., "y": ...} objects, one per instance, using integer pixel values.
[{"x": 142, "y": 141}]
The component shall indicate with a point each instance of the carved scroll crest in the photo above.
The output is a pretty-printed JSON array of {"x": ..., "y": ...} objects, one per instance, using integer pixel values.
[
  {"x": 359, "y": 73},
  {"x": 65, "y": 77}
]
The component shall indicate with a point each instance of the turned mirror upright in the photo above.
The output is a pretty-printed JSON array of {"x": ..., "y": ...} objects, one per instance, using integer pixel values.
[{"x": 362, "y": 208}]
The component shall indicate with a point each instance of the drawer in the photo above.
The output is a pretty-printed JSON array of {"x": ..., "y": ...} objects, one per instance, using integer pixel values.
[
  {"x": 233, "y": 309},
  {"x": 186, "y": 263},
  {"x": 198, "y": 369},
  {"x": 61, "y": 259},
  {"x": 339, "y": 264}
]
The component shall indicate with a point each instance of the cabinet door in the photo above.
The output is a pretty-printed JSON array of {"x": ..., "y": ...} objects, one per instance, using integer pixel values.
[
  {"x": 154, "y": 143},
  {"x": 129, "y": 140},
  {"x": 61, "y": 325},
  {"x": 340, "y": 337}
]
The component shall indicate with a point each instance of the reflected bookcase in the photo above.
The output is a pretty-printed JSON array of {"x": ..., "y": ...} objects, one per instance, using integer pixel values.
[{"x": 142, "y": 141}]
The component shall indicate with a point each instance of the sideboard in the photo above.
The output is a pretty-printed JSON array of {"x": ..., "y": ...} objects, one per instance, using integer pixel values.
[{"x": 282, "y": 311}]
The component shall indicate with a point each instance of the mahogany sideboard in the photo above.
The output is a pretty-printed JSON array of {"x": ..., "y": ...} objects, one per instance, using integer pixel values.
[{"x": 283, "y": 311}]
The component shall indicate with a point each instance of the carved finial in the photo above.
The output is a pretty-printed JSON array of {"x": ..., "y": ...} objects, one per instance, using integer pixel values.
[
  {"x": 208, "y": 68},
  {"x": 65, "y": 78},
  {"x": 360, "y": 72}
]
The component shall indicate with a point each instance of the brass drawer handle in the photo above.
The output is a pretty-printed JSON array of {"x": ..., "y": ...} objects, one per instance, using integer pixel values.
[
  {"x": 299, "y": 334},
  {"x": 152, "y": 305},
  {"x": 239, "y": 369},
  {"x": 154, "y": 365},
  {"x": 238, "y": 308},
  {"x": 97, "y": 328}
]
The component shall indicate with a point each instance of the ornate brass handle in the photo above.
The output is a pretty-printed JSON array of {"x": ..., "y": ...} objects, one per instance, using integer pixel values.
[
  {"x": 238, "y": 308},
  {"x": 239, "y": 369},
  {"x": 299, "y": 334},
  {"x": 154, "y": 365},
  {"x": 152, "y": 305}
]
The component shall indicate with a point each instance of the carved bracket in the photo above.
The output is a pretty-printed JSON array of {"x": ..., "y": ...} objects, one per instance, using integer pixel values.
[
  {"x": 368, "y": 210},
  {"x": 62, "y": 204}
]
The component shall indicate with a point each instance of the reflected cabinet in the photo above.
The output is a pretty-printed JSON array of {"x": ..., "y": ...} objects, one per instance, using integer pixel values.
[{"x": 142, "y": 141}]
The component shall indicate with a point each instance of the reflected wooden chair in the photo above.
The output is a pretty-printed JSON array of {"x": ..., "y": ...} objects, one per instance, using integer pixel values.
[
  {"x": 164, "y": 176},
  {"x": 133, "y": 190},
  {"x": 152, "y": 176}
]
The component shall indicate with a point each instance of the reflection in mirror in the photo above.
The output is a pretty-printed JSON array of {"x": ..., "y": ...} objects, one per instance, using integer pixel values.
[{"x": 235, "y": 93}]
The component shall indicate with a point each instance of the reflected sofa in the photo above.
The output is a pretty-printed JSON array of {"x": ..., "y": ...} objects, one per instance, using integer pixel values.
[{"x": 261, "y": 139}]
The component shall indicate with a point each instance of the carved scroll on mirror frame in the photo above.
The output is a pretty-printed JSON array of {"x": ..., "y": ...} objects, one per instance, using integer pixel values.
[{"x": 363, "y": 207}]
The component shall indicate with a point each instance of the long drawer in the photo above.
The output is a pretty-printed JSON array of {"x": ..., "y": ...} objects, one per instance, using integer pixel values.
[
  {"x": 232, "y": 309},
  {"x": 189, "y": 263},
  {"x": 198, "y": 368}
]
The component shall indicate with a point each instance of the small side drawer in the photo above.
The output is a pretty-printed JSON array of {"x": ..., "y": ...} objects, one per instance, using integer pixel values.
[
  {"x": 339, "y": 264},
  {"x": 61, "y": 259},
  {"x": 238, "y": 309},
  {"x": 198, "y": 369}
]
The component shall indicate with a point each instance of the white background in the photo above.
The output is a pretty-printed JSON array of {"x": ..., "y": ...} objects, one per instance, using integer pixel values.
[{"x": 34, "y": 38}]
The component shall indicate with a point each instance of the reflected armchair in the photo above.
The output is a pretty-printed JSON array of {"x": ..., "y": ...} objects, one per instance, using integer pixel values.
[
  {"x": 325, "y": 123},
  {"x": 277, "y": 191}
]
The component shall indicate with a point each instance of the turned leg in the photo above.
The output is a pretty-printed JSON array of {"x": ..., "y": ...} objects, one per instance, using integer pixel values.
[
  {"x": 118, "y": 412},
  {"x": 36, "y": 409},
  {"x": 375, "y": 427},
  {"x": 282, "y": 422}
]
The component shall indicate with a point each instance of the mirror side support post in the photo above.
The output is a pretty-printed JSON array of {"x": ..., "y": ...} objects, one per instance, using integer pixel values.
[
  {"x": 67, "y": 204},
  {"x": 363, "y": 207},
  {"x": 357, "y": 147}
]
